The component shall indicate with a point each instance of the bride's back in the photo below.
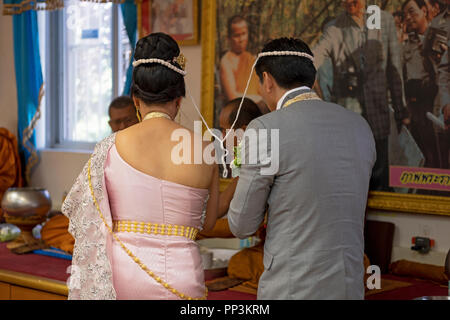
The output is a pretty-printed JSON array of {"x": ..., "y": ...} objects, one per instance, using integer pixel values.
[
  {"x": 157, "y": 89},
  {"x": 149, "y": 148}
]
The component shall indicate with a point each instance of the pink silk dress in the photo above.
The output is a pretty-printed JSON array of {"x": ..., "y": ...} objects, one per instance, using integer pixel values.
[{"x": 136, "y": 196}]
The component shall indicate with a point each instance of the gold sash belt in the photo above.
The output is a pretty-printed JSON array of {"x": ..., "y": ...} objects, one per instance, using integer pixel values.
[{"x": 155, "y": 228}]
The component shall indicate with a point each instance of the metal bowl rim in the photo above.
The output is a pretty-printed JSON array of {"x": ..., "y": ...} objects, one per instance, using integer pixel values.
[{"x": 26, "y": 189}]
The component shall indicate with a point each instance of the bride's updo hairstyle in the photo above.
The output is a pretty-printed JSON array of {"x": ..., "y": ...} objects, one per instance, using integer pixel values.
[{"x": 153, "y": 82}]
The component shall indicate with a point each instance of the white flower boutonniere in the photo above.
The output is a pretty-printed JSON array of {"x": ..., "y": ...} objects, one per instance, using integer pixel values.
[{"x": 236, "y": 163}]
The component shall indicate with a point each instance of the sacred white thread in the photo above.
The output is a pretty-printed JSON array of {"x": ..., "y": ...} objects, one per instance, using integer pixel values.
[
  {"x": 163, "y": 62},
  {"x": 262, "y": 54}
]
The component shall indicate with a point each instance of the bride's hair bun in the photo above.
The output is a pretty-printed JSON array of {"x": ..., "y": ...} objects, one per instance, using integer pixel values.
[{"x": 154, "y": 82}]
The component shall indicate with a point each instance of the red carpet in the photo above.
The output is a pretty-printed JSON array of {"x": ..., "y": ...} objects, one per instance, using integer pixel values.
[
  {"x": 34, "y": 264},
  {"x": 55, "y": 268},
  {"x": 230, "y": 295},
  {"x": 418, "y": 289}
]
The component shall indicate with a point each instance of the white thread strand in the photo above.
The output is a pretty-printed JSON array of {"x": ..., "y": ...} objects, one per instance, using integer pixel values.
[
  {"x": 160, "y": 61},
  {"x": 262, "y": 54},
  {"x": 225, "y": 151},
  {"x": 286, "y": 53}
]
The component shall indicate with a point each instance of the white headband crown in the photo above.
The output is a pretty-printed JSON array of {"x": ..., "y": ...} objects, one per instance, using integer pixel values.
[
  {"x": 180, "y": 60},
  {"x": 286, "y": 53}
]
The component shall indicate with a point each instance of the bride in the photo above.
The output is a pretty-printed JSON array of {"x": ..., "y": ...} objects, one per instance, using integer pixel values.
[{"x": 133, "y": 212}]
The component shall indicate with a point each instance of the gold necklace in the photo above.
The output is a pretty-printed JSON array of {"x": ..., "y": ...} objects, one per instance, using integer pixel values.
[
  {"x": 302, "y": 97},
  {"x": 156, "y": 114},
  {"x": 130, "y": 254}
]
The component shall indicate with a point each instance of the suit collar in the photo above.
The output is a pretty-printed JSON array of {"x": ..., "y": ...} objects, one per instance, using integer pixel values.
[{"x": 292, "y": 94}]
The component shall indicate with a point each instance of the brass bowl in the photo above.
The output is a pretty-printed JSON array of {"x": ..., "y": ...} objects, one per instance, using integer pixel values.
[
  {"x": 26, "y": 202},
  {"x": 25, "y": 208}
]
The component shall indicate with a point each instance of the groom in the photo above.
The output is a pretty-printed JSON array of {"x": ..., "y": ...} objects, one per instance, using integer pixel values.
[{"x": 316, "y": 199}]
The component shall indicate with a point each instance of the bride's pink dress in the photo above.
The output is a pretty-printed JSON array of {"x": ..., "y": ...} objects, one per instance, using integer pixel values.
[{"x": 136, "y": 196}]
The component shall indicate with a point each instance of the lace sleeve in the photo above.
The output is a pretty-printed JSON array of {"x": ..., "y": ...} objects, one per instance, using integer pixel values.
[
  {"x": 91, "y": 275},
  {"x": 202, "y": 219}
]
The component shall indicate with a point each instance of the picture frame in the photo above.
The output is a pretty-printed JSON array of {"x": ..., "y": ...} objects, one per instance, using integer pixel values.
[
  {"x": 377, "y": 200},
  {"x": 179, "y": 19}
]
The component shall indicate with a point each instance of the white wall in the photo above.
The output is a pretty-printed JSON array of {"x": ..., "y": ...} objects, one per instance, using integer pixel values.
[
  {"x": 57, "y": 170},
  {"x": 193, "y": 56},
  {"x": 8, "y": 95},
  {"x": 408, "y": 225}
]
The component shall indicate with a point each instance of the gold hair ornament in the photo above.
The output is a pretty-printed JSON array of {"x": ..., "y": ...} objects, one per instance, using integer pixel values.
[{"x": 181, "y": 60}]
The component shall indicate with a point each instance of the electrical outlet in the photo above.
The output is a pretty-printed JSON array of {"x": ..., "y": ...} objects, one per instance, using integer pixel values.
[
  {"x": 426, "y": 230},
  {"x": 422, "y": 244}
]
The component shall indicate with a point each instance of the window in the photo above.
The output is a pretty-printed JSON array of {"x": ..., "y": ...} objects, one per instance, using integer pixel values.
[{"x": 85, "y": 59}]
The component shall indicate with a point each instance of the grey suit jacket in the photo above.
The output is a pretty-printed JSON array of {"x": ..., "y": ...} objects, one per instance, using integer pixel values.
[{"x": 315, "y": 201}]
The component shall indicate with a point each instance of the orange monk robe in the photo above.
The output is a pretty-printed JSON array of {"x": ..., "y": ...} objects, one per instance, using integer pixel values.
[
  {"x": 55, "y": 233},
  {"x": 247, "y": 265},
  {"x": 220, "y": 230},
  {"x": 10, "y": 167},
  {"x": 242, "y": 73},
  {"x": 234, "y": 88}
]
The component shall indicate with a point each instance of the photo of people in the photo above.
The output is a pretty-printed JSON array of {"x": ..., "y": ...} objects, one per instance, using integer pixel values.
[
  {"x": 175, "y": 17},
  {"x": 396, "y": 76}
]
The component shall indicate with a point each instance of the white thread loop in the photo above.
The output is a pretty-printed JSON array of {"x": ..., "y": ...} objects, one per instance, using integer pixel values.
[
  {"x": 286, "y": 53},
  {"x": 262, "y": 54},
  {"x": 160, "y": 61}
]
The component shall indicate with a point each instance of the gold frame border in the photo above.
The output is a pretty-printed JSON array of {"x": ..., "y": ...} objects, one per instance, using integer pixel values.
[
  {"x": 376, "y": 200},
  {"x": 189, "y": 42},
  {"x": 409, "y": 203},
  {"x": 208, "y": 57}
]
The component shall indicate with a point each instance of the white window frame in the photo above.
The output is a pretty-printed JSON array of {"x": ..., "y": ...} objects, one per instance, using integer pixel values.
[{"x": 54, "y": 78}]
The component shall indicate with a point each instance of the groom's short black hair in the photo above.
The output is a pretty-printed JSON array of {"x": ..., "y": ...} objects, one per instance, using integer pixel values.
[{"x": 288, "y": 71}]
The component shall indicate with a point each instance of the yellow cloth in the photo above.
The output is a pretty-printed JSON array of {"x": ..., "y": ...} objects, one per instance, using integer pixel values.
[
  {"x": 55, "y": 233},
  {"x": 220, "y": 230},
  {"x": 10, "y": 167},
  {"x": 246, "y": 61}
]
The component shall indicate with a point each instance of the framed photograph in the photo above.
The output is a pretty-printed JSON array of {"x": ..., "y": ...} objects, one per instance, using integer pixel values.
[
  {"x": 179, "y": 18},
  {"x": 234, "y": 32}
]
